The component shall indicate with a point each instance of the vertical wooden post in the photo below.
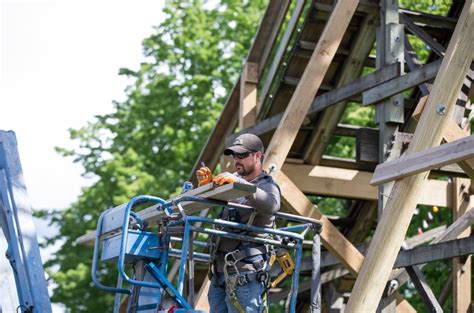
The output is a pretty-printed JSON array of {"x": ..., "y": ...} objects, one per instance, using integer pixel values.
[
  {"x": 405, "y": 193},
  {"x": 389, "y": 113},
  {"x": 248, "y": 95},
  {"x": 461, "y": 266}
]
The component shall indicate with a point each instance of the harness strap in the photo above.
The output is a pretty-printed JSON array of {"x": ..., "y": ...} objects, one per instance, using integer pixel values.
[{"x": 239, "y": 255}]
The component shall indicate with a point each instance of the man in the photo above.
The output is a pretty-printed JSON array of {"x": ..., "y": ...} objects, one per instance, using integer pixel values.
[{"x": 241, "y": 289}]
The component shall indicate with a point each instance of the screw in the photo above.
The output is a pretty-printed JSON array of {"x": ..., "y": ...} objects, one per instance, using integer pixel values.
[{"x": 441, "y": 109}]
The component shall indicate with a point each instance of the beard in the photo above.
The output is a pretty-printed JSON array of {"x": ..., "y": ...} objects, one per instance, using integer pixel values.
[{"x": 244, "y": 170}]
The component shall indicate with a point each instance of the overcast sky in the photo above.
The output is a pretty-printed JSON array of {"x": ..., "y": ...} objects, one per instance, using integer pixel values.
[
  {"x": 59, "y": 65},
  {"x": 60, "y": 60}
]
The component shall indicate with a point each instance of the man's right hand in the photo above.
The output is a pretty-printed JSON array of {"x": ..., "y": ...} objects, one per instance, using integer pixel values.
[{"x": 204, "y": 176}]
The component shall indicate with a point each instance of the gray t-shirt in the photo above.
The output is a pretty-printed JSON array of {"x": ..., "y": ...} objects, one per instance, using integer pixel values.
[{"x": 266, "y": 201}]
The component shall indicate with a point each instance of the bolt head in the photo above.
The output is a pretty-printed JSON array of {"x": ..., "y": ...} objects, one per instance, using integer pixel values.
[{"x": 441, "y": 109}]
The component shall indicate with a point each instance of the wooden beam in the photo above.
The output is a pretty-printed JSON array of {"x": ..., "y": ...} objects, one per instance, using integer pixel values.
[
  {"x": 423, "y": 161},
  {"x": 405, "y": 194},
  {"x": 419, "y": 108},
  {"x": 435, "y": 46},
  {"x": 310, "y": 82},
  {"x": 405, "y": 258},
  {"x": 367, "y": 145},
  {"x": 327, "y": 99},
  {"x": 421, "y": 19},
  {"x": 331, "y": 238},
  {"x": 352, "y": 69},
  {"x": 267, "y": 32},
  {"x": 228, "y": 119},
  {"x": 461, "y": 266},
  {"x": 354, "y": 184},
  {"x": 277, "y": 59},
  {"x": 427, "y": 296},
  {"x": 398, "y": 85},
  {"x": 451, "y": 233},
  {"x": 454, "y": 132},
  {"x": 248, "y": 95},
  {"x": 435, "y": 252},
  {"x": 413, "y": 63}
]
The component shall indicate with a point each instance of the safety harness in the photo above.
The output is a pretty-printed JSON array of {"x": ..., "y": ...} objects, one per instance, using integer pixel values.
[{"x": 236, "y": 278}]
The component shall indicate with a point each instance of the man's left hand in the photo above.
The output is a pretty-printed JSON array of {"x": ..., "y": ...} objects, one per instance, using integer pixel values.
[{"x": 226, "y": 178}]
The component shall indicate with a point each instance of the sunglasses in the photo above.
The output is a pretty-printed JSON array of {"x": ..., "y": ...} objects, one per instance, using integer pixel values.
[{"x": 241, "y": 156}]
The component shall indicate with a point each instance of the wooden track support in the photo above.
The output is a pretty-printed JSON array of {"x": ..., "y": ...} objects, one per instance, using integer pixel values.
[
  {"x": 461, "y": 266},
  {"x": 405, "y": 193},
  {"x": 248, "y": 95}
]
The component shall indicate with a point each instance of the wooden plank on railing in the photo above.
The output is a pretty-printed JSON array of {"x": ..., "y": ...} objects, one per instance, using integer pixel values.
[{"x": 152, "y": 215}]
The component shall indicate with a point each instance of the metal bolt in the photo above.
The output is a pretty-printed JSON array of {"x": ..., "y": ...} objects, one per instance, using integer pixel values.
[
  {"x": 396, "y": 103},
  {"x": 441, "y": 109}
]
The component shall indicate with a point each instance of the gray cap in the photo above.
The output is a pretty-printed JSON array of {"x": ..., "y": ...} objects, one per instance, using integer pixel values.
[{"x": 245, "y": 143}]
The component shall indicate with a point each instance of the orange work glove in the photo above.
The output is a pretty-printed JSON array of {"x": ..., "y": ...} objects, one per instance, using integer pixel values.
[
  {"x": 204, "y": 176},
  {"x": 225, "y": 178}
]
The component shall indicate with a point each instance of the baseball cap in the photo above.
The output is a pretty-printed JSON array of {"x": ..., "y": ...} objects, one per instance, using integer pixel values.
[{"x": 245, "y": 143}]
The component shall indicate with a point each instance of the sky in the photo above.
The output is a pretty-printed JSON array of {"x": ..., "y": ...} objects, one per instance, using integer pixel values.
[
  {"x": 59, "y": 67},
  {"x": 60, "y": 60}
]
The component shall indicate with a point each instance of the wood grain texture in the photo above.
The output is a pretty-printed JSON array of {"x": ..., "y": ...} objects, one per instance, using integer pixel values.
[{"x": 405, "y": 194}]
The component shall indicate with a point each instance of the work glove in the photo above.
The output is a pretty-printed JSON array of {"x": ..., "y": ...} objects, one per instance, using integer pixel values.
[
  {"x": 227, "y": 178},
  {"x": 204, "y": 176}
]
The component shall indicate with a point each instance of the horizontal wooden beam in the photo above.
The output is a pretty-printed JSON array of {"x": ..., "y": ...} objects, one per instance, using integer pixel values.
[
  {"x": 451, "y": 233},
  {"x": 402, "y": 83},
  {"x": 329, "y": 260},
  {"x": 354, "y": 184},
  {"x": 327, "y": 99},
  {"x": 426, "y": 160},
  {"x": 435, "y": 252}
]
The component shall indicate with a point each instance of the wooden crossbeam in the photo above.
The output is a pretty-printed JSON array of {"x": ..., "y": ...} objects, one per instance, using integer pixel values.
[
  {"x": 405, "y": 193},
  {"x": 398, "y": 85},
  {"x": 327, "y": 99},
  {"x": 308, "y": 86},
  {"x": 435, "y": 252},
  {"x": 328, "y": 259},
  {"x": 427, "y": 296},
  {"x": 426, "y": 160},
  {"x": 453, "y": 231},
  {"x": 331, "y": 238},
  {"x": 413, "y": 63},
  {"x": 354, "y": 184},
  {"x": 420, "y": 33},
  {"x": 454, "y": 132},
  {"x": 352, "y": 69}
]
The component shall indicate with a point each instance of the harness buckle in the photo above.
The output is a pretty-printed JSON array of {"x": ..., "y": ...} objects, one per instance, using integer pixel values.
[{"x": 242, "y": 280}]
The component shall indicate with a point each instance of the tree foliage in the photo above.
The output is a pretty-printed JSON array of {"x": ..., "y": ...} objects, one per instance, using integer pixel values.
[{"x": 150, "y": 141}]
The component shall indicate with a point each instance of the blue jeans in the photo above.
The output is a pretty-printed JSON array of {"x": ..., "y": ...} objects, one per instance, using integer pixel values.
[{"x": 248, "y": 295}]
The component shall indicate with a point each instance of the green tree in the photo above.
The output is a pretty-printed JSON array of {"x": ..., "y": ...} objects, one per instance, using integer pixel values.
[{"x": 150, "y": 141}]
